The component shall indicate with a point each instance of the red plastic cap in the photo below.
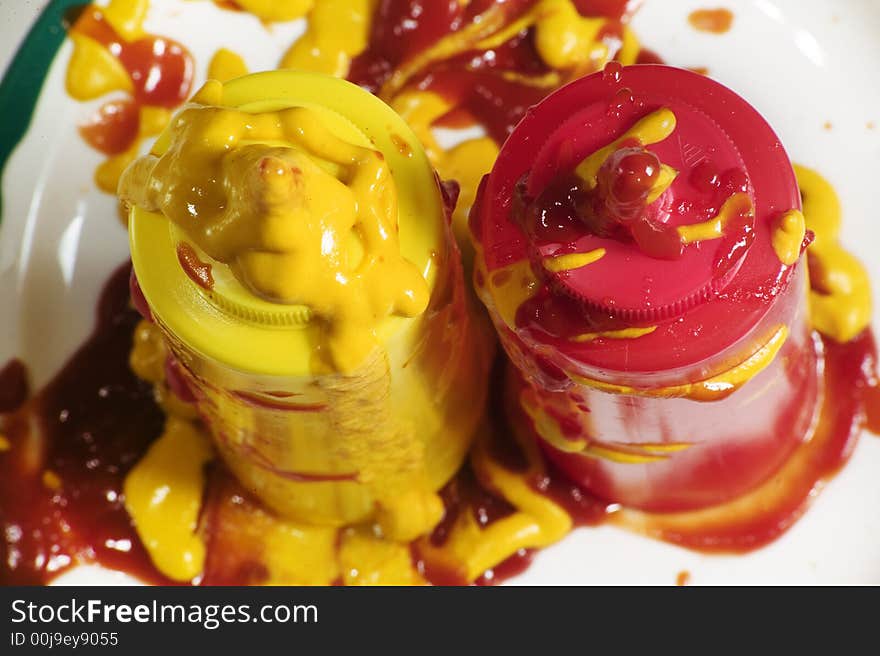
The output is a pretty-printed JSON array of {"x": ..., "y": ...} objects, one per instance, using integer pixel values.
[
  {"x": 721, "y": 147},
  {"x": 627, "y": 282}
]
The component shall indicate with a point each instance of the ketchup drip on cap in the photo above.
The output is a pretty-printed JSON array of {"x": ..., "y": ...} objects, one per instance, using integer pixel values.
[{"x": 642, "y": 196}]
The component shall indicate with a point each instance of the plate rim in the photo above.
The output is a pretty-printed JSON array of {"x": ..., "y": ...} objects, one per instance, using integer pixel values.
[{"x": 23, "y": 81}]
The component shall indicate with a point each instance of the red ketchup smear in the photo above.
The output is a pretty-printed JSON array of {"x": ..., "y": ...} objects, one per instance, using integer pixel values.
[
  {"x": 257, "y": 457},
  {"x": 872, "y": 408},
  {"x": 88, "y": 426},
  {"x": 276, "y": 402},
  {"x": 197, "y": 271},
  {"x": 476, "y": 82},
  {"x": 137, "y": 298},
  {"x": 176, "y": 381},
  {"x": 161, "y": 73},
  {"x": 113, "y": 128}
]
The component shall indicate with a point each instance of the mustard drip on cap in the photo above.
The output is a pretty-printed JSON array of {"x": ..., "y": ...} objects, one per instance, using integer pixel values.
[{"x": 278, "y": 227}]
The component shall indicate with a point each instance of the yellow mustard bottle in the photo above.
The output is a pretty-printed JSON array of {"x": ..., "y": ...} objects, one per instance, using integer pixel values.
[{"x": 293, "y": 244}]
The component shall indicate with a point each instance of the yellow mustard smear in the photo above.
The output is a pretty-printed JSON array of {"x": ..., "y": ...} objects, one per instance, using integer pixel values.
[
  {"x": 337, "y": 31},
  {"x": 572, "y": 261},
  {"x": 840, "y": 296},
  {"x": 163, "y": 496},
  {"x": 93, "y": 70},
  {"x": 622, "y": 333},
  {"x": 127, "y": 17},
  {"x": 537, "y": 522},
  {"x": 147, "y": 360},
  {"x": 712, "y": 389},
  {"x": 737, "y": 205},
  {"x": 564, "y": 38},
  {"x": 365, "y": 559},
  {"x": 300, "y": 216},
  {"x": 653, "y": 128},
  {"x": 51, "y": 480},
  {"x": 787, "y": 236},
  {"x": 507, "y": 288},
  {"x": 226, "y": 65},
  {"x": 299, "y": 554}
]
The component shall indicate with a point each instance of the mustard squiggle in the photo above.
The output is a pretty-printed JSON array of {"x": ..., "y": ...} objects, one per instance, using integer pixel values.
[{"x": 840, "y": 299}]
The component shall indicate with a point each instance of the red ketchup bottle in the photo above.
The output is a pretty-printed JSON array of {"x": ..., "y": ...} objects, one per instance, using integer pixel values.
[{"x": 640, "y": 249}]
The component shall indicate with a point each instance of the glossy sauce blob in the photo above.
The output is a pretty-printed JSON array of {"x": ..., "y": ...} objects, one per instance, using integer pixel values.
[{"x": 159, "y": 71}]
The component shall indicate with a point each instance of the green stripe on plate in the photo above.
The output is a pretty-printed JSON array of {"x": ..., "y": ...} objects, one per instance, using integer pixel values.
[{"x": 21, "y": 86}]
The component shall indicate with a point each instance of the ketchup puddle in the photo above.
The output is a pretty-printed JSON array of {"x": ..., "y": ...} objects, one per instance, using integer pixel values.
[{"x": 71, "y": 446}]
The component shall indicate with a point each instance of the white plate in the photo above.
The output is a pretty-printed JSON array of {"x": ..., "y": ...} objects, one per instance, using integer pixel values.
[{"x": 803, "y": 63}]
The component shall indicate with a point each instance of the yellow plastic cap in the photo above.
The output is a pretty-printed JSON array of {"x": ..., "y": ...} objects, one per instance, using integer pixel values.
[{"x": 229, "y": 324}]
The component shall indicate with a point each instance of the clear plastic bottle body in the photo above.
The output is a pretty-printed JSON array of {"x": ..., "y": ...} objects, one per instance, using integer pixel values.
[{"x": 667, "y": 453}]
